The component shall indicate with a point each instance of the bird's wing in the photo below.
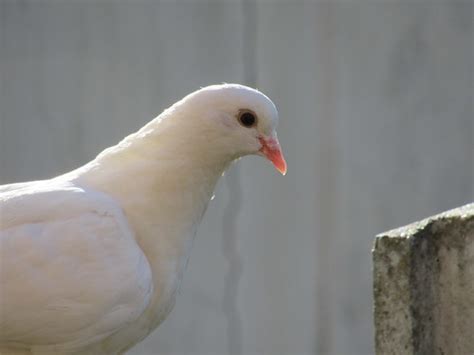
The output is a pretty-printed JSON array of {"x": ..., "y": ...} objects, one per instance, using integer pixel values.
[{"x": 71, "y": 272}]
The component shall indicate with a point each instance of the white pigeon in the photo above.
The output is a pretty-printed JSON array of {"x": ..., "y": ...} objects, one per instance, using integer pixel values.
[{"x": 91, "y": 261}]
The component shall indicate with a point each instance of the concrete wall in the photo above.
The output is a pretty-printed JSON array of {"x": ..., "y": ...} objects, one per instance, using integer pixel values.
[
  {"x": 424, "y": 286},
  {"x": 376, "y": 112}
]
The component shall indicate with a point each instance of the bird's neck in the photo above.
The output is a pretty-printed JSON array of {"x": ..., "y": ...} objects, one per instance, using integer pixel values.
[
  {"x": 163, "y": 185},
  {"x": 164, "y": 168}
]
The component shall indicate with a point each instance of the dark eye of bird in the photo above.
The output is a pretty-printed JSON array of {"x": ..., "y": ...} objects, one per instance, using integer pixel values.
[{"x": 247, "y": 119}]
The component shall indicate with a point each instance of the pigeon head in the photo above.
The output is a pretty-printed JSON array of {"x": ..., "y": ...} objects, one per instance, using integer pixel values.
[{"x": 235, "y": 119}]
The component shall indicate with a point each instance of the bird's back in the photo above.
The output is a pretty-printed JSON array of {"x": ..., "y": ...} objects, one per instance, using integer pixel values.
[{"x": 71, "y": 272}]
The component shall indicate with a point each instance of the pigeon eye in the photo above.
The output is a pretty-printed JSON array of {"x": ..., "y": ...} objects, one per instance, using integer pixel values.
[{"x": 247, "y": 119}]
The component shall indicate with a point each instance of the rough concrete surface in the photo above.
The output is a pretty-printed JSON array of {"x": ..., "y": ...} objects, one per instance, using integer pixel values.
[{"x": 424, "y": 286}]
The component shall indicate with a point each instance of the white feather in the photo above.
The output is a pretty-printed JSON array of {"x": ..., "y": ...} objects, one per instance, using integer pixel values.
[{"x": 71, "y": 270}]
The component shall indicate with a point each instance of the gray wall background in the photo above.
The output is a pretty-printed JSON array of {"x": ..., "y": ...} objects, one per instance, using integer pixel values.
[{"x": 376, "y": 104}]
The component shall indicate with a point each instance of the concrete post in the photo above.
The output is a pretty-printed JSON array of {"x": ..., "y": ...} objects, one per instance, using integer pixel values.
[{"x": 424, "y": 286}]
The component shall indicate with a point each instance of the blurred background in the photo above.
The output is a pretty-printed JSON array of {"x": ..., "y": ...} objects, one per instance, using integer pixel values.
[{"x": 376, "y": 104}]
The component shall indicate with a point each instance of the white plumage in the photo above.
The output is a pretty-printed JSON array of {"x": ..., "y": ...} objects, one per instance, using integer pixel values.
[{"x": 91, "y": 261}]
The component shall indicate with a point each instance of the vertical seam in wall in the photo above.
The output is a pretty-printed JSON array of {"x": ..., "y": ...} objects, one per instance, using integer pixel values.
[
  {"x": 230, "y": 248},
  {"x": 231, "y": 253}
]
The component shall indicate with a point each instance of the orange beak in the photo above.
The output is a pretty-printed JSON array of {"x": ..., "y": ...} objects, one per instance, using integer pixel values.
[{"x": 272, "y": 151}]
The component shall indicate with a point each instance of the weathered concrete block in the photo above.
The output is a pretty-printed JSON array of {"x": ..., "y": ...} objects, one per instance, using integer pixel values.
[{"x": 424, "y": 286}]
